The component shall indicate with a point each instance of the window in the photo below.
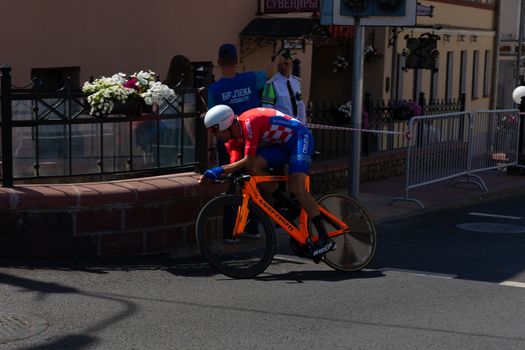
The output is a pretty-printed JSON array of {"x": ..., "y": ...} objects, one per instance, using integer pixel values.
[
  {"x": 463, "y": 73},
  {"x": 486, "y": 74},
  {"x": 475, "y": 73},
  {"x": 450, "y": 76},
  {"x": 400, "y": 76},
  {"x": 418, "y": 86}
]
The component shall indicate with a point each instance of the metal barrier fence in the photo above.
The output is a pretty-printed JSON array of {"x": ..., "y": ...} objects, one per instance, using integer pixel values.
[
  {"x": 495, "y": 140},
  {"x": 457, "y": 145}
]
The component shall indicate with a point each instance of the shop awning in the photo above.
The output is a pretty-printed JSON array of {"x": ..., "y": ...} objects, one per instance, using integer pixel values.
[{"x": 296, "y": 31}]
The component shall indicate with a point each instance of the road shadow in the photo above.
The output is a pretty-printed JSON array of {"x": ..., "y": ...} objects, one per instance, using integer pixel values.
[
  {"x": 318, "y": 275},
  {"x": 189, "y": 267},
  {"x": 125, "y": 310},
  {"x": 76, "y": 342},
  {"x": 432, "y": 242},
  {"x": 195, "y": 266}
]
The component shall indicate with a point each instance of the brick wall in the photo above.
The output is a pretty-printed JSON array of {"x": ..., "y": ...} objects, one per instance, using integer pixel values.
[{"x": 141, "y": 216}]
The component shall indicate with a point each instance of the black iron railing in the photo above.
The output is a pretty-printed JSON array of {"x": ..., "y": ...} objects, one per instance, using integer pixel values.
[
  {"x": 380, "y": 115},
  {"x": 51, "y": 135}
]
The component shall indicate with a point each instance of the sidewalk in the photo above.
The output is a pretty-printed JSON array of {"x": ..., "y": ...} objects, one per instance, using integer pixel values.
[{"x": 377, "y": 195}]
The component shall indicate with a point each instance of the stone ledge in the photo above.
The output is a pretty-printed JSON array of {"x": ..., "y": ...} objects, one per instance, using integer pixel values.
[
  {"x": 123, "y": 217},
  {"x": 97, "y": 194}
]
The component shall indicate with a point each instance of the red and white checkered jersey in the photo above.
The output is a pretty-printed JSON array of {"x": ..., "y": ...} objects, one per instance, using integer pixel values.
[{"x": 264, "y": 126}]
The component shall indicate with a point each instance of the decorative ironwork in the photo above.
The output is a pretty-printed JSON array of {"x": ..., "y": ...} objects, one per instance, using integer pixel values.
[
  {"x": 421, "y": 52},
  {"x": 262, "y": 32},
  {"x": 251, "y": 44}
]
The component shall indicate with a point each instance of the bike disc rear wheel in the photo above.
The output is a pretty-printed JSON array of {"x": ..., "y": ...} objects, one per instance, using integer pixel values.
[
  {"x": 356, "y": 248},
  {"x": 247, "y": 257}
]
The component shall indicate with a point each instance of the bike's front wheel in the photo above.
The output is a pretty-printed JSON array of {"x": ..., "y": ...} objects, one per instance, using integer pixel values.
[
  {"x": 356, "y": 248},
  {"x": 245, "y": 256}
]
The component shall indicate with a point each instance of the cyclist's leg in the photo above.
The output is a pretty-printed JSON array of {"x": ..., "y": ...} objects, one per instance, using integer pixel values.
[
  {"x": 268, "y": 157},
  {"x": 259, "y": 168},
  {"x": 301, "y": 147}
]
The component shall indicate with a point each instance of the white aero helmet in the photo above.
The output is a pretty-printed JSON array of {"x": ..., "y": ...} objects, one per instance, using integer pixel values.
[{"x": 220, "y": 115}]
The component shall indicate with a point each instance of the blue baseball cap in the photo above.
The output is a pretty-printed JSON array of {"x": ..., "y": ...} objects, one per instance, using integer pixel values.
[{"x": 227, "y": 52}]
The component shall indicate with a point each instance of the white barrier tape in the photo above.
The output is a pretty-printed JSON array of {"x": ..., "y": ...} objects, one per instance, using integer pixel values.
[{"x": 372, "y": 131}]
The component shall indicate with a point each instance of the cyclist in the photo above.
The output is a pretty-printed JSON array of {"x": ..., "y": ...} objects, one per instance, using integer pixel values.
[{"x": 262, "y": 138}]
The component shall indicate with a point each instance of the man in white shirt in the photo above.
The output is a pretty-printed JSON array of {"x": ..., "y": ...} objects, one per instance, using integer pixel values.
[{"x": 283, "y": 91}]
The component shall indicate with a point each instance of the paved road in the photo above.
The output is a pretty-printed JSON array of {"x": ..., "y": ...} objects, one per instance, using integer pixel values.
[{"x": 431, "y": 286}]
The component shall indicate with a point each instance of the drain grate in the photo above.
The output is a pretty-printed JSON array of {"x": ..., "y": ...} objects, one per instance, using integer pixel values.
[
  {"x": 491, "y": 227},
  {"x": 14, "y": 326}
]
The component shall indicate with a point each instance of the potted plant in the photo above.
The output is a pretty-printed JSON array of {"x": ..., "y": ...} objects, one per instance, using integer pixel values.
[
  {"x": 371, "y": 52},
  {"x": 340, "y": 64},
  {"x": 404, "y": 110},
  {"x": 345, "y": 112},
  {"x": 120, "y": 94}
]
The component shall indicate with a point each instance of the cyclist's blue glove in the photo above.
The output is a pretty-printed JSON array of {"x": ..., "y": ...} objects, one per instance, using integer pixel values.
[{"x": 214, "y": 173}]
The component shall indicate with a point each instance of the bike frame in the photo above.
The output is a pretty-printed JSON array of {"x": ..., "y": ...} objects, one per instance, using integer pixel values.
[{"x": 300, "y": 232}]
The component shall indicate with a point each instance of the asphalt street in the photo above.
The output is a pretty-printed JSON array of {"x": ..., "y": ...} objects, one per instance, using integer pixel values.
[{"x": 432, "y": 285}]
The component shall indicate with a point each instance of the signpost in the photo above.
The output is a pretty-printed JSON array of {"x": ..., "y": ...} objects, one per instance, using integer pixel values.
[
  {"x": 285, "y": 6},
  {"x": 425, "y": 11}
]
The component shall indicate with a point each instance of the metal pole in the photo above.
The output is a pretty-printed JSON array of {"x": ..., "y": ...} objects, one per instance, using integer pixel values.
[
  {"x": 7, "y": 136},
  {"x": 520, "y": 42},
  {"x": 496, "y": 58},
  {"x": 521, "y": 146},
  {"x": 357, "y": 108},
  {"x": 393, "y": 82}
]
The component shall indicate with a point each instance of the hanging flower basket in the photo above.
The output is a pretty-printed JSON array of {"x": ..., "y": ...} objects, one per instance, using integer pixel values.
[
  {"x": 132, "y": 106},
  {"x": 404, "y": 110},
  {"x": 371, "y": 53},
  {"x": 120, "y": 94},
  {"x": 345, "y": 115},
  {"x": 340, "y": 64}
]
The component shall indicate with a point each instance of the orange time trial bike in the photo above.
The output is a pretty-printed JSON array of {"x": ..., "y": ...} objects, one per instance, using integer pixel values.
[{"x": 226, "y": 242}]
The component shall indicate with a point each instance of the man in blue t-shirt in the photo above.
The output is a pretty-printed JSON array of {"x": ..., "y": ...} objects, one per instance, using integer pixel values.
[{"x": 240, "y": 91}]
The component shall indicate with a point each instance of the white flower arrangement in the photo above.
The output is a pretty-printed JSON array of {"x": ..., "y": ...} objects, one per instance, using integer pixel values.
[
  {"x": 340, "y": 64},
  {"x": 103, "y": 93},
  {"x": 157, "y": 93},
  {"x": 371, "y": 51},
  {"x": 346, "y": 109}
]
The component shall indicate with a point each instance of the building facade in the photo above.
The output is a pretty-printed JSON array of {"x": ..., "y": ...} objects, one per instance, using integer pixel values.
[
  {"x": 510, "y": 17},
  {"x": 101, "y": 38},
  {"x": 466, "y": 34}
]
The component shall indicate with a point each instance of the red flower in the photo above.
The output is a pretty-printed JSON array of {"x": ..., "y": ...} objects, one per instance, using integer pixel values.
[{"x": 132, "y": 84}]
